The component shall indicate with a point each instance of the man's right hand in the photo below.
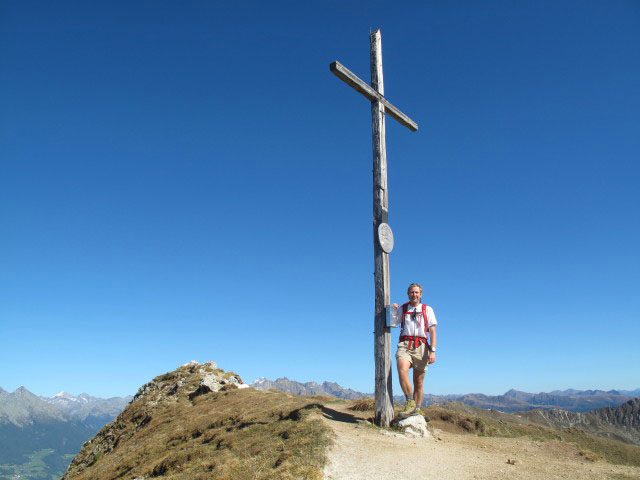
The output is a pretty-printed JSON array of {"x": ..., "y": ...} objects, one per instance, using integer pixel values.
[{"x": 395, "y": 305}]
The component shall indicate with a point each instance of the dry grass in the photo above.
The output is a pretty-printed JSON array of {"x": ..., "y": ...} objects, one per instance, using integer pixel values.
[
  {"x": 494, "y": 424},
  {"x": 363, "y": 405},
  {"x": 238, "y": 433},
  {"x": 174, "y": 430}
]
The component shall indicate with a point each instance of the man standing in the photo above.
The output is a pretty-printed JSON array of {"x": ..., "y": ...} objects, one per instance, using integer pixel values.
[{"x": 414, "y": 350}]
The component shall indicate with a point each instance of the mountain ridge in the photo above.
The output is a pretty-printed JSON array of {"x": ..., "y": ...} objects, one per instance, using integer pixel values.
[
  {"x": 511, "y": 401},
  {"x": 620, "y": 423},
  {"x": 202, "y": 422},
  {"x": 49, "y": 428},
  {"x": 308, "y": 388},
  {"x": 21, "y": 407}
]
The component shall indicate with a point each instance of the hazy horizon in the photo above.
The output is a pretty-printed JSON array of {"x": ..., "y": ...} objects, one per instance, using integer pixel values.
[{"x": 395, "y": 392}]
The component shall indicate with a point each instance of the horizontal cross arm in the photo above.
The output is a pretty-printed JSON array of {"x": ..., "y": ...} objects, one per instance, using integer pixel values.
[{"x": 351, "y": 79}]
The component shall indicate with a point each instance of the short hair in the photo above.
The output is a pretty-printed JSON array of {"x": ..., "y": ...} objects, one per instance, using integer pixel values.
[{"x": 414, "y": 285}]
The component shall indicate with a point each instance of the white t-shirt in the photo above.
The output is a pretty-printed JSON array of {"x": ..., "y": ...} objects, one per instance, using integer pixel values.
[{"x": 413, "y": 324}]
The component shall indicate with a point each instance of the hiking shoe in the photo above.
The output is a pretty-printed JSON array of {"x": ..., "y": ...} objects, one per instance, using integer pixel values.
[{"x": 409, "y": 409}]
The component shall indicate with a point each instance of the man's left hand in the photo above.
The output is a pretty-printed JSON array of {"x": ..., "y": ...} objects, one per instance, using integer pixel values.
[{"x": 432, "y": 357}]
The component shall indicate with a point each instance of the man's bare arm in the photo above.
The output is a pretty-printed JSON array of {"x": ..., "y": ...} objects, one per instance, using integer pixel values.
[{"x": 432, "y": 336}]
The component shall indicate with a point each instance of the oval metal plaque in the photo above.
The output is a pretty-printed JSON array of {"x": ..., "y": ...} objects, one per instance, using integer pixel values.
[{"x": 385, "y": 237}]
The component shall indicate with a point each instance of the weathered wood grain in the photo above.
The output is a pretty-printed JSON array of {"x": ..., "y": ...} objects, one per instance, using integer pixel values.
[
  {"x": 379, "y": 106},
  {"x": 351, "y": 79},
  {"x": 382, "y": 335}
]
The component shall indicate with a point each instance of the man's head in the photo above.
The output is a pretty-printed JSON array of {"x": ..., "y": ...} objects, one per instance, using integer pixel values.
[{"x": 415, "y": 293}]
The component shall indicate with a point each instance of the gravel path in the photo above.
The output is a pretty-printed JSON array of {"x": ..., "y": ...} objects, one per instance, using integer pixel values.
[{"x": 362, "y": 452}]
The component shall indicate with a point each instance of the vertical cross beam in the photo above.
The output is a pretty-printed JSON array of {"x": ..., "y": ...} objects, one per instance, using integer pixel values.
[
  {"x": 382, "y": 335},
  {"x": 379, "y": 107}
]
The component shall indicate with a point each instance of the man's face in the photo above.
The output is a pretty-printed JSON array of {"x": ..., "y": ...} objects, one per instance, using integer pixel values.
[{"x": 414, "y": 295}]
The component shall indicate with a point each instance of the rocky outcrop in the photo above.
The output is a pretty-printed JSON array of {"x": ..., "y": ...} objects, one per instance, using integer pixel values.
[
  {"x": 619, "y": 423},
  {"x": 187, "y": 382},
  {"x": 207, "y": 377},
  {"x": 201, "y": 422},
  {"x": 625, "y": 415},
  {"x": 414, "y": 426}
]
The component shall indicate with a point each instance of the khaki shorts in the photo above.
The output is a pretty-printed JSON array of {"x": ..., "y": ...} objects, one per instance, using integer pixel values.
[{"x": 419, "y": 356}]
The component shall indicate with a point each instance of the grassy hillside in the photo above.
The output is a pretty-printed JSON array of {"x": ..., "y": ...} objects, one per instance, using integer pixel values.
[
  {"x": 229, "y": 434},
  {"x": 196, "y": 423},
  {"x": 460, "y": 418}
]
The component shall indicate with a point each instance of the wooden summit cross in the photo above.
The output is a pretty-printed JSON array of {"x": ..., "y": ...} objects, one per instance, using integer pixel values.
[{"x": 382, "y": 236}]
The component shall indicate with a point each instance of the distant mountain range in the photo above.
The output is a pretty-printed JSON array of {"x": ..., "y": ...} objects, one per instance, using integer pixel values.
[
  {"x": 517, "y": 401},
  {"x": 309, "y": 388},
  {"x": 93, "y": 411},
  {"x": 571, "y": 391},
  {"x": 511, "y": 401},
  {"x": 40, "y": 435}
]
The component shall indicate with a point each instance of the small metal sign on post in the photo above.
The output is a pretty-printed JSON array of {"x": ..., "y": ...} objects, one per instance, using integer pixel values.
[
  {"x": 385, "y": 237},
  {"x": 382, "y": 235}
]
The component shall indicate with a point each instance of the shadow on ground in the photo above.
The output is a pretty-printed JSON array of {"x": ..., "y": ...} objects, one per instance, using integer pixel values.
[{"x": 335, "y": 415}]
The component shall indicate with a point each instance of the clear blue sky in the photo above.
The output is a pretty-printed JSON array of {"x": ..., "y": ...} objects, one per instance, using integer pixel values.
[{"x": 188, "y": 181}]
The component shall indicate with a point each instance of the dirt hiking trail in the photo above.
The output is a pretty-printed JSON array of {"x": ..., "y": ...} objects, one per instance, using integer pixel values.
[{"x": 364, "y": 452}]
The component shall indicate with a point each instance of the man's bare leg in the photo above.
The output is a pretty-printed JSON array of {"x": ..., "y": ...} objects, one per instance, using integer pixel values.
[
  {"x": 418, "y": 381},
  {"x": 403, "y": 375}
]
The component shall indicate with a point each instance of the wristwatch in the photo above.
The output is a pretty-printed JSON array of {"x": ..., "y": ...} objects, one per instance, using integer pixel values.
[{"x": 433, "y": 350}]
